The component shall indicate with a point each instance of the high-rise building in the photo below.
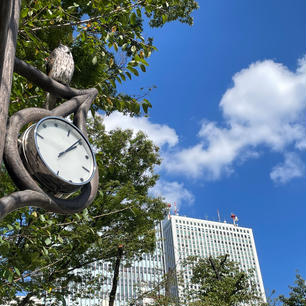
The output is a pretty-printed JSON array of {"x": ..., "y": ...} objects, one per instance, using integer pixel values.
[
  {"x": 195, "y": 237},
  {"x": 176, "y": 238},
  {"x": 134, "y": 279}
]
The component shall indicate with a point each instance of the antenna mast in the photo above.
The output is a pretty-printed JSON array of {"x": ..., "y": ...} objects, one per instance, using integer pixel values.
[
  {"x": 218, "y": 215},
  {"x": 235, "y": 219},
  {"x": 175, "y": 209},
  {"x": 169, "y": 209}
]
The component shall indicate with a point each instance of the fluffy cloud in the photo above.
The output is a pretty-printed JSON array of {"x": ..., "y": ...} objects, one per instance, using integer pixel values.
[
  {"x": 159, "y": 134},
  {"x": 265, "y": 107},
  {"x": 173, "y": 192},
  {"x": 292, "y": 167}
]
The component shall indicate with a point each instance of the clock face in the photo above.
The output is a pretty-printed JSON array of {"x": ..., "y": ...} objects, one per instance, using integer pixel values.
[{"x": 64, "y": 150}]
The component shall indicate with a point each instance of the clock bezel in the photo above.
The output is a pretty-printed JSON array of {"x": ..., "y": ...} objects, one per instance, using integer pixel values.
[
  {"x": 40, "y": 170},
  {"x": 83, "y": 138}
]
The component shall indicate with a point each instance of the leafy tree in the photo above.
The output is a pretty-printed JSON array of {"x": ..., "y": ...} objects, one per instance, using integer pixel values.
[
  {"x": 41, "y": 252},
  {"x": 107, "y": 39},
  {"x": 297, "y": 294},
  {"x": 219, "y": 282}
]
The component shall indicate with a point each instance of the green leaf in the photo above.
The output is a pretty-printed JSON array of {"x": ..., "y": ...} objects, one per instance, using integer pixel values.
[
  {"x": 145, "y": 107},
  {"x": 94, "y": 60},
  {"x": 17, "y": 271},
  {"x": 143, "y": 68},
  {"x": 45, "y": 251},
  {"x": 60, "y": 239},
  {"x": 24, "y": 12},
  {"x": 10, "y": 227},
  {"x": 144, "y": 61},
  {"x": 133, "y": 49},
  {"x": 133, "y": 70},
  {"x": 113, "y": 83},
  {"x": 48, "y": 241},
  {"x": 133, "y": 18},
  {"x": 10, "y": 277}
]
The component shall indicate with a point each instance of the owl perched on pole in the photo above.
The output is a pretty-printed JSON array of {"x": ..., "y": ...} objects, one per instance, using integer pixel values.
[{"x": 60, "y": 67}]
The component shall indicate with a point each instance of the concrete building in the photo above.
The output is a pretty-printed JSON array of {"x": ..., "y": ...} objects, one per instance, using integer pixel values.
[{"x": 188, "y": 237}]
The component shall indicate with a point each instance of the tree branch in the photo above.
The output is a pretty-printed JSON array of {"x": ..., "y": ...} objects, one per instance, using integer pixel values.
[
  {"x": 67, "y": 24},
  {"x": 92, "y": 19},
  {"x": 214, "y": 268},
  {"x": 112, "y": 294}
]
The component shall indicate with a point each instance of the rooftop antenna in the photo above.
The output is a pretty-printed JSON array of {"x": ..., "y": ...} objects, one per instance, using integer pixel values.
[
  {"x": 175, "y": 209},
  {"x": 169, "y": 209},
  {"x": 235, "y": 219},
  {"x": 218, "y": 215}
]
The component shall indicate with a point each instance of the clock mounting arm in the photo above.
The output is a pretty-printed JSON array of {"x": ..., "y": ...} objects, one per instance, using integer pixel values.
[{"x": 78, "y": 103}]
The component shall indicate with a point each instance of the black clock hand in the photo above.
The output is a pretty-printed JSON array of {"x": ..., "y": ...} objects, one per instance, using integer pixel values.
[
  {"x": 69, "y": 149},
  {"x": 73, "y": 146}
]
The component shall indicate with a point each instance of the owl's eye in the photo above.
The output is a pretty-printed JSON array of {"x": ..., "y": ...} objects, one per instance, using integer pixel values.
[{"x": 68, "y": 52}]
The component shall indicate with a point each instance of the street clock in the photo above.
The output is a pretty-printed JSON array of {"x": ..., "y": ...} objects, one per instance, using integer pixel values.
[{"x": 58, "y": 155}]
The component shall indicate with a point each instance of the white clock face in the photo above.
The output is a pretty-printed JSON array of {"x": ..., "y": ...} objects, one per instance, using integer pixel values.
[{"x": 64, "y": 150}]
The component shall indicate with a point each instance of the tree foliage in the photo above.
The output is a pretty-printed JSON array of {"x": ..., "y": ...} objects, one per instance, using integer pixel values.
[
  {"x": 107, "y": 39},
  {"x": 219, "y": 282},
  {"x": 297, "y": 294},
  {"x": 41, "y": 252}
]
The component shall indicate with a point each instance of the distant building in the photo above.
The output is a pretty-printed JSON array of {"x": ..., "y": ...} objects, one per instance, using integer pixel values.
[
  {"x": 141, "y": 276},
  {"x": 195, "y": 237},
  {"x": 176, "y": 238}
]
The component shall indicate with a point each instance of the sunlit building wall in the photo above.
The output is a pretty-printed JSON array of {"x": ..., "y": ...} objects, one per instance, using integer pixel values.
[{"x": 195, "y": 237}]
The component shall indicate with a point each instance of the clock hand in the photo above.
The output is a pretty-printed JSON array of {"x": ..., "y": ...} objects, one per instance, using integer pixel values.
[
  {"x": 69, "y": 149},
  {"x": 73, "y": 146}
]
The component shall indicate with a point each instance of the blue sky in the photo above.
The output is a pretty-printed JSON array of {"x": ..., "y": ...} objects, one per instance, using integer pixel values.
[{"x": 229, "y": 116}]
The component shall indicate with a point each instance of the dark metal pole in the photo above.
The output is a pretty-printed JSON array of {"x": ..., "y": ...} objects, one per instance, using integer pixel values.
[{"x": 9, "y": 21}]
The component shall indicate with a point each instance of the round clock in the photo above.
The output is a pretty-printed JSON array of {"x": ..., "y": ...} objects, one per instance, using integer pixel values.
[{"x": 58, "y": 155}]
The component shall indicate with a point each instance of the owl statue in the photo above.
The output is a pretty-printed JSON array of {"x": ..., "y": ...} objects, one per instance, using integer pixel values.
[{"x": 60, "y": 67}]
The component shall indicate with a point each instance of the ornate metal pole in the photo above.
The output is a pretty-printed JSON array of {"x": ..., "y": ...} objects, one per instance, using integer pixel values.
[
  {"x": 30, "y": 193},
  {"x": 9, "y": 21}
]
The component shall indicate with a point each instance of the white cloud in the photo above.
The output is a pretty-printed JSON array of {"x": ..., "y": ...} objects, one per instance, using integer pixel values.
[
  {"x": 158, "y": 133},
  {"x": 173, "y": 192},
  {"x": 265, "y": 107},
  {"x": 292, "y": 167}
]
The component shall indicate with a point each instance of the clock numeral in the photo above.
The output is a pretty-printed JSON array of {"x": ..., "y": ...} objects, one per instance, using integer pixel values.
[
  {"x": 85, "y": 169},
  {"x": 68, "y": 133},
  {"x": 81, "y": 179},
  {"x": 44, "y": 125},
  {"x": 70, "y": 181},
  {"x": 55, "y": 124},
  {"x": 57, "y": 172},
  {"x": 86, "y": 156},
  {"x": 39, "y": 135}
]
